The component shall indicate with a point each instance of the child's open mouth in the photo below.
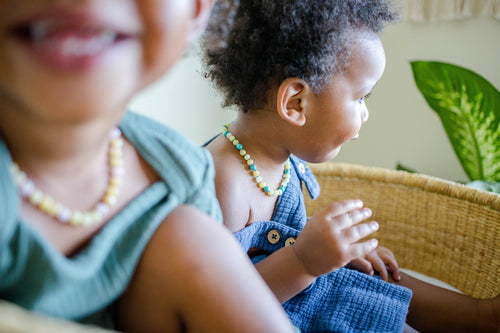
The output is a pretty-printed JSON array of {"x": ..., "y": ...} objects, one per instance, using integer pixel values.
[{"x": 67, "y": 44}]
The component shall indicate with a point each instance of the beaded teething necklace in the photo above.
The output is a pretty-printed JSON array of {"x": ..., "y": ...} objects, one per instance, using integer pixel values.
[
  {"x": 63, "y": 214},
  {"x": 253, "y": 168}
]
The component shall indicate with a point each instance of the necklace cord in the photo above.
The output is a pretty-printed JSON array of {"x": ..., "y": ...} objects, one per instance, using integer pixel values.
[
  {"x": 61, "y": 213},
  {"x": 285, "y": 179}
]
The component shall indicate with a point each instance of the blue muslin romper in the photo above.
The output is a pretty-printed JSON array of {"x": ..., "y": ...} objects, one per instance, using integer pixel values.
[{"x": 342, "y": 301}]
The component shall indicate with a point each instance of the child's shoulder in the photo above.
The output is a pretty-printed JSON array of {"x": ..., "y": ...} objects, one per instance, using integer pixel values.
[{"x": 169, "y": 152}]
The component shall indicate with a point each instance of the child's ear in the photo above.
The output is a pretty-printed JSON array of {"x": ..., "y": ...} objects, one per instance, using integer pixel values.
[
  {"x": 200, "y": 18},
  {"x": 293, "y": 94}
]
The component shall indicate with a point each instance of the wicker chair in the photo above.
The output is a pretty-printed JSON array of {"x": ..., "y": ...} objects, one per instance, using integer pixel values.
[{"x": 439, "y": 228}]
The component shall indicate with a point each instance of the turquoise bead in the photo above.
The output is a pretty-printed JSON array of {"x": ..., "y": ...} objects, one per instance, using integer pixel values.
[{"x": 253, "y": 167}]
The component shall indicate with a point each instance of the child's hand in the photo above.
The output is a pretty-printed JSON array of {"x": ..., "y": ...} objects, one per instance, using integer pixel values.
[
  {"x": 329, "y": 239},
  {"x": 380, "y": 261}
]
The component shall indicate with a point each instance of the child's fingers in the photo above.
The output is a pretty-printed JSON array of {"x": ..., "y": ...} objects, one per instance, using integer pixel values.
[
  {"x": 343, "y": 212},
  {"x": 362, "y": 265},
  {"x": 361, "y": 249},
  {"x": 394, "y": 268},
  {"x": 359, "y": 231},
  {"x": 390, "y": 262},
  {"x": 379, "y": 266}
]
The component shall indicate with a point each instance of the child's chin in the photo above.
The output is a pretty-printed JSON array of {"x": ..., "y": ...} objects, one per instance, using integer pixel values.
[{"x": 333, "y": 154}]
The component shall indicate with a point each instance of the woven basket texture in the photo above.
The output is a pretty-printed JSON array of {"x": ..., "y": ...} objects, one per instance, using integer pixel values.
[{"x": 439, "y": 228}]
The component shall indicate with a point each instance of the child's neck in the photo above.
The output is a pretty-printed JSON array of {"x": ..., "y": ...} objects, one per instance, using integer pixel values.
[
  {"x": 35, "y": 144},
  {"x": 260, "y": 133}
]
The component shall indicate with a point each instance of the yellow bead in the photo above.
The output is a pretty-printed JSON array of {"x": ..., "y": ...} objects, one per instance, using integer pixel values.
[
  {"x": 19, "y": 177},
  {"x": 111, "y": 191},
  {"x": 48, "y": 205},
  {"x": 116, "y": 143},
  {"x": 96, "y": 217},
  {"x": 57, "y": 208},
  {"x": 110, "y": 200},
  {"x": 46, "y": 202},
  {"x": 253, "y": 168},
  {"x": 115, "y": 181},
  {"x": 115, "y": 152},
  {"x": 36, "y": 197},
  {"x": 76, "y": 218},
  {"x": 87, "y": 219},
  {"x": 14, "y": 168},
  {"x": 114, "y": 162}
]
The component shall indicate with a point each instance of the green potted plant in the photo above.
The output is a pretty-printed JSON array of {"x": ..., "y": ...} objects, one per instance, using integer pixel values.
[{"x": 468, "y": 106}]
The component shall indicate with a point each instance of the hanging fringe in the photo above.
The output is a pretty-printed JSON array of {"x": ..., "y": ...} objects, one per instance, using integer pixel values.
[{"x": 437, "y": 10}]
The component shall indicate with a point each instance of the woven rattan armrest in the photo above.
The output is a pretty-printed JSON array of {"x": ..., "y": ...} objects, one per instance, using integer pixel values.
[{"x": 439, "y": 228}]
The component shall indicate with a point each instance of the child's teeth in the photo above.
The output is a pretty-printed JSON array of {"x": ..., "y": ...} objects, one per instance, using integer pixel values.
[{"x": 79, "y": 46}]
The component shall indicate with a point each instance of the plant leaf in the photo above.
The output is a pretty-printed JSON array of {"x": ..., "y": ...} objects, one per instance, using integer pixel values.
[
  {"x": 401, "y": 167},
  {"x": 485, "y": 186},
  {"x": 469, "y": 108}
]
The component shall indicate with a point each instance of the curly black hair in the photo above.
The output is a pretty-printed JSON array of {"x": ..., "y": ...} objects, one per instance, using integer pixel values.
[{"x": 252, "y": 45}]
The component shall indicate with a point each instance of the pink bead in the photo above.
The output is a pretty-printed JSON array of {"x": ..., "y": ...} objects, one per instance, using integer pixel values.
[
  {"x": 115, "y": 133},
  {"x": 26, "y": 188},
  {"x": 117, "y": 171},
  {"x": 64, "y": 215},
  {"x": 102, "y": 208}
]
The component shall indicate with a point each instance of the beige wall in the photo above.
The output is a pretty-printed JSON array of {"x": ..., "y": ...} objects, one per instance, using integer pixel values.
[{"x": 402, "y": 128}]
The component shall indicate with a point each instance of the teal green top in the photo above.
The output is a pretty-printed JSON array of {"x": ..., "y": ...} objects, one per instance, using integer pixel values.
[{"x": 35, "y": 275}]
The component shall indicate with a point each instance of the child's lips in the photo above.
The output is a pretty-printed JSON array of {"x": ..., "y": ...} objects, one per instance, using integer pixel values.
[{"x": 68, "y": 41}]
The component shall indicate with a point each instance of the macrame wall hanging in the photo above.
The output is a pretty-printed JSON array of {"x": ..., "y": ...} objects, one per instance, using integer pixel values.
[{"x": 439, "y": 10}]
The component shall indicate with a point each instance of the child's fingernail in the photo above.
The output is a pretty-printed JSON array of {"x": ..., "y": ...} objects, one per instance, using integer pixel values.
[
  {"x": 358, "y": 203},
  {"x": 374, "y": 242},
  {"x": 374, "y": 225}
]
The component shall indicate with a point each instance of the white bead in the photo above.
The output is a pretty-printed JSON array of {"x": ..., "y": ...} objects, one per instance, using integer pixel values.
[
  {"x": 102, "y": 208},
  {"x": 27, "y": 188},
  {"x": 118, "y": 171},
  {"x": 115, "y": 133},
  {"x": 64, "y": 215}
]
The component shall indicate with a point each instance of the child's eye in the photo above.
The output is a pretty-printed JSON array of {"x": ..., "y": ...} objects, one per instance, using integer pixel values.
[{"x": 363, "y": 99}]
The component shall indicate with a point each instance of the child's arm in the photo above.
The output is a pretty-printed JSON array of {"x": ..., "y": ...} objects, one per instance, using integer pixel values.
[
  {"x": 328, "y": 241},
  {"x": 194, "y": 277}
]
